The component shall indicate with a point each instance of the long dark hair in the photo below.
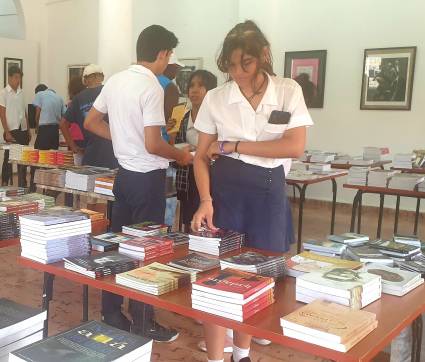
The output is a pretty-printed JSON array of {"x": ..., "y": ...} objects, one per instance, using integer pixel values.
[
  {"x": 248, "y": 37},
  {"x": 208, "y": 80},
  {"x": 75, "y": 86}
]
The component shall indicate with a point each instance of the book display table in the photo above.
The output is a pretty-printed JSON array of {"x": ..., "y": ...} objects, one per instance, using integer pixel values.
[
  {"x": 8, "y": 242},
  {"x": 347, "y": 166},
  {"x": 393, "y": 313},
  {"x": 382, "y": 192},
  {"x": 301, "y": 185}
]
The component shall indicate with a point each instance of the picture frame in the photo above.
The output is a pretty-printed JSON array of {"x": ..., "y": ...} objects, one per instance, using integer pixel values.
[
  {"x": 387, "y": 78},
  {"x": 75, "y": 70},
  {"x": 8, "y": 62},
  {"x": 183, "y": 74},
  {"x": 308, "y": 68}
]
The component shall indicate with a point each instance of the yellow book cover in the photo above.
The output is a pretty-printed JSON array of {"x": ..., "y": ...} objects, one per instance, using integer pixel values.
[{"x": 177, "y": 114}]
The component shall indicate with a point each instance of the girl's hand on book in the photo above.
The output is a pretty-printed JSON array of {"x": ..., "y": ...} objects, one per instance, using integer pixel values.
[{"x": 204, "y": 216}]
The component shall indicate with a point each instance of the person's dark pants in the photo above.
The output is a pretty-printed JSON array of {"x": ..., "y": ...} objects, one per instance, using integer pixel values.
[
  {"x": 138, "y": 197},
  {"x": 47, "y": 139},
  {"x": 21, "y": 137}
]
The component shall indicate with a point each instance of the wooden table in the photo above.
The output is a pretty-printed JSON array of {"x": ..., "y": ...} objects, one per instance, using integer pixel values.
[
  {"x": 393, "y": 313},
  {"x": 301, "y": 185},
  {"x": 8, "y": 242},
  {"x": 382, "y": 191}
]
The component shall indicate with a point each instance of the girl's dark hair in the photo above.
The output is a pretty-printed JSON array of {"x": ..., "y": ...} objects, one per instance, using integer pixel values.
[
  {"x": 209, "y": 80},
  {"x": 75, "y": 86},
  {"x": 248, "y": 37}
]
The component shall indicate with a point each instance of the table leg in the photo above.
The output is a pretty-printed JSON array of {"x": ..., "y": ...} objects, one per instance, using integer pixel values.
[
  {"x": 354, "y": 211},
  {"x": 109, "y": 205},
  {"x": 418, "y": 206},
  {"x": 85, "y": 303},
  {"x": 334, "y": 190},
  {"x": 416, "y": 339},
  {"x": 359, "y": 215},
  {"x": 381, "y": 212},
  {"x": 46, "y": 298},
  {"x": 397, "y": 212},
  {"x": 301, "y": 191}
]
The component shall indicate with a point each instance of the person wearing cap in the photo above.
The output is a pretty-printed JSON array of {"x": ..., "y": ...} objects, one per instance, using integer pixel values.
[
  {"x": 49, "y": 109},
  {"x": 13, "y": 116},
  {"x": 96, "y": 150},
  {"x": 134, "y": 101}
]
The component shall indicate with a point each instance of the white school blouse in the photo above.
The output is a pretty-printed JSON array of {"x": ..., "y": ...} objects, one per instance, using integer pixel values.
[{"x": 227, "y": 113}]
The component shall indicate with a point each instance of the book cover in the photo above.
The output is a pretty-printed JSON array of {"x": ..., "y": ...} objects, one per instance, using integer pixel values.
[
  {"x": 398, "y": 248},
  {"x": 177, "y": 114},
  {"x": 309, "y": 262},
  {"x": 113, "y": 237},
  {"x": 233, "y": 282},
  {"x": 348, "y": 238},
  {"x": 197, "y": 262},
  {"x": 100, "y": 261},
  {"x": 252, "y": 258},
  {"x": 393, "y": 277},
  {"x": 90, "y": 342}
]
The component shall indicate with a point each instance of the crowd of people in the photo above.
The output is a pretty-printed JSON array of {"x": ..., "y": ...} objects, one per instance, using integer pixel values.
[{"x": 245, "y": 133}]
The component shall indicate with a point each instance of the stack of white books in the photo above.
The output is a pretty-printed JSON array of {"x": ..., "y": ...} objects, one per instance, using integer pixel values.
[
  {"x": 301, "y": 175},
  {"x": 51, "y": 235},
  {"x": 394, "y": 280},
  {"x": 352, "y": 239},
  {"x": 344, "y": 286},
  {"x": 376, "y": 153},
  {"x": 380, "y": 178},
  {"x": 84, "y": 178},
  {"x": 359, "y": 161},
  {"x": 298, "y": 165},
  {"x": 19, "y": 326},
  {"x": 405, "y": 181},
  {"x": 342, "y": 159},
  {"x": 146, "y": 228},
  {"x": 326, "y": 248},
  {"x": 403, "y": 160},
  {"x": 407, "y": 239},
  {"x": 358, "y": 175},
  {"x": 319, "y": 167},
  {"x": 104, "y": 185},
  {"x": 15, "y": 152},
  {"x": 329, "y": 325},
  {"x": 322, "y": 157}
]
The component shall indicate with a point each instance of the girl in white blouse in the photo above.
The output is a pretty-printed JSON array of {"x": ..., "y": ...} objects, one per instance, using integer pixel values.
[{"x": 251, "y": 126}]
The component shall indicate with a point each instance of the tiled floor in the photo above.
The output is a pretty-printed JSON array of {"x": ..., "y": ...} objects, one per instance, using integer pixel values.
[{"x": 24, "y": 285}]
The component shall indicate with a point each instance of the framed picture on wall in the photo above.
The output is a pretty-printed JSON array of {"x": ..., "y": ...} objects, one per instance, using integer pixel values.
[
  {"x": 75, "y": 70},
  {"x": 308, "y": 69},
  {"x": 183, "y": 75},
  {"x": 388, "y": 78},
  {"x": 8, "y": 62}
]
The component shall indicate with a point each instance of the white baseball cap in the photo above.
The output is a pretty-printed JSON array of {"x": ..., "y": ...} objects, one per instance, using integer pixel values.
[
  {"x": 92, "y": 69},
  {"x": 174, "y": 60}
]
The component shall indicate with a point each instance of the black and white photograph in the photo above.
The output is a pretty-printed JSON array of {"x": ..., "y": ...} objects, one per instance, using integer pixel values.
[
  {"x": 8, "y": 62},
  {"x": 388, "y": 78},
  {"x": 183, "y": 75}
]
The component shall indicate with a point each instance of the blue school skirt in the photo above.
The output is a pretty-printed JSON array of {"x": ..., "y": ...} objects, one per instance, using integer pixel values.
[{"x": 252, "y": 200}]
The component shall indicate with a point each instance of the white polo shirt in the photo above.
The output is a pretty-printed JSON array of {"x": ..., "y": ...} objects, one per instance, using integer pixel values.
[
  {"x": 227, "y": 113},
  {"x": 14, "y": 102},
  {"x": 133, "y": 99}
]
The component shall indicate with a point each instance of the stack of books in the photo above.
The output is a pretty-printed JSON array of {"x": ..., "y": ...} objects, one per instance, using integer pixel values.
[
  {"x": 51, "y": 235},
  {"x": 29, "y": 154},
  {"x": 298, "y": 165},
  {"x": 146, "y": 228},
  {"x": 195, "y": 263},
  {"x": 366, "y": 254},
  {"x": 322, "y": 157},
  {"x": 44, "y": 201},
  {"x": 380, "y": 178},
  {"x": 406, "y": 181},
  {"x": 419, "y": 158},
  {"x": 407, "y": 239},
  {"x": 327, "y": 247},
  {"x": 233, "y": 294},
  {"x": 155, "y": 278},
  {"x": 357, "y": 175},
  {"x": 65, "y": 158},
  {"x": 50, "y": 177},
  {"x": 9, "y": 226},
  {"x": 47, "y": 157},
  {"x": 358, "y": 161},
  {"x": 265, "y": 265},
  {"x": 19, "y": 326},
  {"x": 215, "y": 242},
  {"x": 145, "y": 248},
  {"x": 104, "y": 185},
  {"x": 19, "y": 207},
  {"x": 352, "y": 239},
  {"x": 307, "y": 262},
  {"x": 108, "y": 241},
  {"x": 102, "y": 264},
  {"x": 319, "y": 167},
  {"x": 395, "y": 281},
  {"x": 376, "y": 153},
  {"x": 344, "y": 286},
  {"x": 9, "y": 191},
  {"x": 178, "y": 238},
  {"x": 92, "y": 341},
  {"x": 301, "y": 175},
  {"x": 329, "y": 325},
  {"x": 415, "y": 265},
  {"x": 99, "y": 223},
  {"x": 403, "y": 160},
  {"x": 342, "y": 159},
  {"x": 15, "y": 152},
  {"x": 397, "y": 251},
  {"x": 83, "y": 178}
]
